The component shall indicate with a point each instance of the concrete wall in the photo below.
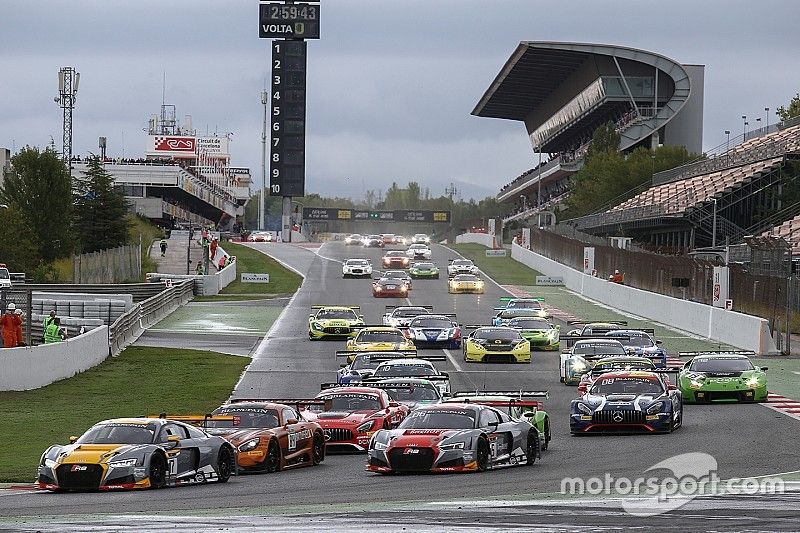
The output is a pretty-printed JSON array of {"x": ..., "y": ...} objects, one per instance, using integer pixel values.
[
  {"x": 476, "y": 238},
  {"x": 32, "y": 367},
  {"x": 737, "y": 329},
  {"x": 686, "y": 128}
]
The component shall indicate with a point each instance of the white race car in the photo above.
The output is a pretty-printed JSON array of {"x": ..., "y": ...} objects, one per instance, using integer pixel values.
[
  {"x": 418, "y": 251},
  {"x": 461, "y": 266},
  {"x": 420, "y": 238},
  {"x": 417, "y": 367},
  {"x": 400, "y": 316},
  {"x": 356, "y": 268}
]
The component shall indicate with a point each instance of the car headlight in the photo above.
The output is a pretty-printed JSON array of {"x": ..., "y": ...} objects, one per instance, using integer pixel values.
[
  {"x": 695, "y": 384},
  {"x": 366, "y": 426},
  {"x": 122, "y": 463},
  {"x": 249, "y": 445},
  {"x": 452, "y": 446},
  {"x": 378, "y": 289},
  {"x": 753, "y": 382},
  {"x": 316, "y": 326},
  {"x": 379, "y": 445},
  {"x": 403, "y": 288},
  {"x": 655, "y": 408},
  {"x": 583, "y": 408},
  {"x": 578, "y": 366}
]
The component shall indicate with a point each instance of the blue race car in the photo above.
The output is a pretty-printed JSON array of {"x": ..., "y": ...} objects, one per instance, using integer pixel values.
[
  {"x": 640, "y": 342},
  {"x": 434, "y": 331},
  {"x": 627, "y": 401}
]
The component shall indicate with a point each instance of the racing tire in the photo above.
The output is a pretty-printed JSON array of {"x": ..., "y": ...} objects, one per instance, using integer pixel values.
[
  {"x": 547, "y": 435},
  {"x": 225, "y": 465},
  {"x": 158, "y": 471},
  {"x": 482, "y": 454},
  {"x": 272, "y": 462},
  {"x": 532, "y": 449},
  {"x": 317, "y": 449}
]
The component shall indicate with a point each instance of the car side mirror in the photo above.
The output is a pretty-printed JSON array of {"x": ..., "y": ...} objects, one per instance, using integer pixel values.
[
  {"x": 394, "y": 404},
  {"x": 310, "y": 316},
  {"x": 361, "y": 317},
  {"x": 581, "y": 390},
  {"x": 671, "y": 386},
  {"x": 658, "y": 341},
  {"x": 173, "y": 438},
  {"x": 493, "y": 425},
  {"x": 342, "y": 365},
  {"x": 558, "y": 326},
  {"x": 73, "y": 439},
  {"x": 291, "y": 421},
  {"x": 764, "y": 368}
]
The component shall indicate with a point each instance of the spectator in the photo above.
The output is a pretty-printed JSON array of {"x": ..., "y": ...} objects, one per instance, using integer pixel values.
[
  {"x": 222, "y": 262},
  {"x": 617, "y": 277},
  {"x": 47, "y": 321},
  {"x": 20, "y": 319},
  {"x": 8, "y": 323},
  {"x": 54, "y": 332},
  {"x": 212, "y": 248},
  {"x": 163, "y": 247},
  {"x": 199, "y": 270}
]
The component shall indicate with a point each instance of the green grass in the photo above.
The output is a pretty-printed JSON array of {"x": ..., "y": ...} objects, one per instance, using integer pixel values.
[
  {"x": 140, "y": 381},
  {"x": 281, "y": 280},
  {"x": 503, "y": 270},
  {"x": 149, "y": 232},
  {"x": 238, "y": 297}
]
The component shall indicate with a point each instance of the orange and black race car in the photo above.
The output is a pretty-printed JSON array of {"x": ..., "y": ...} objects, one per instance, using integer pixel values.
[{"x": 267, "y": 436}]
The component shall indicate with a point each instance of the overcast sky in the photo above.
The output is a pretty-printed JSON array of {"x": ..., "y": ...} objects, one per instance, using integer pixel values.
[{"x": 391, "y": 82}]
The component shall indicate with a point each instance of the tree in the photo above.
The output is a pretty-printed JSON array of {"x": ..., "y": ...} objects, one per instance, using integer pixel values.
[
  {"x": 792, "y": 110},
  {"x": 604, "y": 141},
  {"x": 39, "y": 187},
  {"x": 101, "y": 212},
  {"x": 19, "y": 249}
]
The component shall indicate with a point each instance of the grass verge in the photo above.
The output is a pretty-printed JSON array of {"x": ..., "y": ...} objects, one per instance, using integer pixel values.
[
  {"x": 127, "y": 385},
  {"x": 503, "y": 270},
  {"x": 281, "y": 280}
]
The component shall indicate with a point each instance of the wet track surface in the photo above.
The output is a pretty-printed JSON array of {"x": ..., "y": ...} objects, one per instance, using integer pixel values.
[{"x": 746, "y": 440}]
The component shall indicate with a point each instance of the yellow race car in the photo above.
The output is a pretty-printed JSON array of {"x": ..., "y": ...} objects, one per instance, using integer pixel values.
[
  {"x": 334, "y": 321},
  {"x": 379, "y": 339},
  {"x": 489, "y": 344},
  {"x": 465, "y": 283}
]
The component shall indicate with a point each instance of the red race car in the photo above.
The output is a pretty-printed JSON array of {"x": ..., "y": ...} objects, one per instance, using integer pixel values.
[
  {"x": 389, "y": 288},
  {"x": 395, "y": 259},
  {"x": 350, "y": 415}
]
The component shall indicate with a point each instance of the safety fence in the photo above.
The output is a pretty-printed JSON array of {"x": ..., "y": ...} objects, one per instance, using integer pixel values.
[
  {"x": 128, "y": 327},
  {"x": 114, "y": 265},
  {"x": 138, "y": 291}
]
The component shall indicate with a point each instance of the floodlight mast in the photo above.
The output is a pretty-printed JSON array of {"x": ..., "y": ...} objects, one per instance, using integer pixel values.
[{"x": 68, "y": 81}]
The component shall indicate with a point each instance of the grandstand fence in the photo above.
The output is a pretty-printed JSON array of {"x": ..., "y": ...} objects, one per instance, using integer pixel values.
[{"x": 754, "y": 290}]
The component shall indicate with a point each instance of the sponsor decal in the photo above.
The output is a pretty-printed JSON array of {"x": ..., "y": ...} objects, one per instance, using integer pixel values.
[
  {"x": 297, "y": 436},
  {"x": 79, "y": 468},
  {"x": 408, "y": 451}
]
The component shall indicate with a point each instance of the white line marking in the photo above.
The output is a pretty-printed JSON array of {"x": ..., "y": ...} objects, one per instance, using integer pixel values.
[
  {"x": 781, "y": 411},
  {"x": 795, "y": 372},
  {"x": 453, "y": 360}
]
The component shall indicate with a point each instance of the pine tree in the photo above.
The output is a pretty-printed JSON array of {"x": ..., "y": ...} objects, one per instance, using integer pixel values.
[{"x": 101, "y": 213}]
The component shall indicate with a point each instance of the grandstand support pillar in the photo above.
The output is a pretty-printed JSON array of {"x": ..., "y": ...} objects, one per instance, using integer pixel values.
[
  {"x": 625, "y": 83},
  {"x": 286, "y": 220},
  {"x": 539, "y": 192}
]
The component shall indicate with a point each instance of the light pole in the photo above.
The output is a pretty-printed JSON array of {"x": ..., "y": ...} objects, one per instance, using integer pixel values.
[
  {"x": 758, "y": 123},
  {"x": 524, "y": 202},
  {"x": 728, "y": 147},
  {"x": 68, "y": 79},
  {"x": 766, "y": 113},
  {"x": 714, "y": 226},
  {"x": 264, "y": 102},
  {"x": 539, "y": 191},
  {"x": 744, "y": 128}
]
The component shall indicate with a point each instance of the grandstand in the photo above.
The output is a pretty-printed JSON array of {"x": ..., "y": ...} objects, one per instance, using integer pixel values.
[
  {"x": 718, "y": 199},
  {"x": 563, "y": 91},
  {"x": 182, "y": 178}
]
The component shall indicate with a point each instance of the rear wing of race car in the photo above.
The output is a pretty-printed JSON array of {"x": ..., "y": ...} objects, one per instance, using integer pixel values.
[
  {"x": 570, "y": 340},
  {"x": 748, "y": 353},
  {"x": 353, "y": 307},
  {"x": 601, "y": 321},
  {"x": 518, "y": 394},
  {"x": 301, "y": 404},
  {"x": 195, "y": 420},
  {"x": 362, "y": 326},
  {"x": 384, "y": 384},
  {"x": 378, "y": 356},
  {"x": 597, "y": 356},
  {"x": 519, "y": 398},
  {"x": 370, "y": 381},
  {"x": 393, "y": 307}
]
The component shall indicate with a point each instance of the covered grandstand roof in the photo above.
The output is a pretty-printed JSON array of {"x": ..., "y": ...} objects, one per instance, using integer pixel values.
[{"x": 537, "y": 69}]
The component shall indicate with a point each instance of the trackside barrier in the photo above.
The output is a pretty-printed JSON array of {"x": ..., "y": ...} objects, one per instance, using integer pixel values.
[
  {"x": 477, "y": 238},
  {"x": 31, "y": 367},
  {"x": 729, "y": 327},
  {"x": 128, "y": 327}
]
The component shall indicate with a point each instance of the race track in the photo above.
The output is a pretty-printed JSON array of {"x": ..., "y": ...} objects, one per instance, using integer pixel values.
[{"x": 746, "y": 440}]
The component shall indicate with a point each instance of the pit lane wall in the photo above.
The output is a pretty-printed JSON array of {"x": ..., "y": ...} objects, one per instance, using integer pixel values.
[
  {"x": 476, "y": 238},
  {"x": 729, "y": 327},
  {"x": 31, "y": 367}
]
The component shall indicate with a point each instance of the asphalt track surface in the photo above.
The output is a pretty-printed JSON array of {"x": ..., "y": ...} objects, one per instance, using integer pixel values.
[{"x": 746, "y": 440}]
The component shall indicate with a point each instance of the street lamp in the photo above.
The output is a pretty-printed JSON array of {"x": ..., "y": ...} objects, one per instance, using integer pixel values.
[
  {"x": 744, "y": 128},
  {"x": 728, "y": 146},
  {"x": 714, "y": 225},
  {"x": 758, "y": 123},
  {"x": 766, "y": 112},
  {"x": 524, "y": 202}
]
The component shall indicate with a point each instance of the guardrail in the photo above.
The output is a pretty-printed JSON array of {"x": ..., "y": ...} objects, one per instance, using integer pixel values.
[
  {"x": 139, "y": 291},
  {"x": 128, "y": 327}
]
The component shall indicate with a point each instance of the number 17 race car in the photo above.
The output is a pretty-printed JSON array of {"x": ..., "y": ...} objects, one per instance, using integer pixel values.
[{"x": 454, "y": 437}]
